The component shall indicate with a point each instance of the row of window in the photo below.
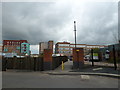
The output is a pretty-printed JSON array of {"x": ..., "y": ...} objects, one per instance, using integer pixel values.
[
  {"x": 64, "y": 45},
  {"x": 65, "y": 52},
  {"x": 6, "y": 48},
  {"x": 77, "y": 46},
  {"x": 64, "y": 48},
  {"x": 13, "y": 43},
  {"x": 92, "y": 46}
]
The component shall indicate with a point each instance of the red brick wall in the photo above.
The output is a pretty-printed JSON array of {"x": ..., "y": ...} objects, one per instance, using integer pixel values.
[
  {"x": 48, "y": 55},
  {"x": 78, "y": 54}
]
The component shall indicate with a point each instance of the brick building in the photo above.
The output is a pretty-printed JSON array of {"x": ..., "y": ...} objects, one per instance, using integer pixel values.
[
  {"x": 50, "y": 44},
  {"x": 66, "y": 48},
  {"x": 13, "y": 46},
  {"x": 63, "y": 48},
  {"x": 45, "y": 45}
]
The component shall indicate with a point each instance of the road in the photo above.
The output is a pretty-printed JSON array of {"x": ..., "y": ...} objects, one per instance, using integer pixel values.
[
  {"x": 18, "y": 79},
  {"x": 14, "y": 79}
]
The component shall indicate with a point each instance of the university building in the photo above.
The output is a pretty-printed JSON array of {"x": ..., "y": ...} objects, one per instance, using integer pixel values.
[
  {"x": 18, "y": 47},
  {"x": 65, "y": 48}
]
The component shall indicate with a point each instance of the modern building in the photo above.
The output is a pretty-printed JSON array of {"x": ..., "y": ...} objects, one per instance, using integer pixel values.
[
  {"x": 25, "y": 49},
  {"x": 66, "y": 48},
  {"x": 45, "y": 45},
  {"x": 63, "y": 48},
  {"x": 13, "y": 46}
]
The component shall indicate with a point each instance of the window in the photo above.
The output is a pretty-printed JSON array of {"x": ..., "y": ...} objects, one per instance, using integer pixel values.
[
  {"x": 5, "y": 49},
  {"x": 63, "y": 44},
  {"x": 17, "y": 47},
  {"x": 67, "y": 48},
  {"x": 72, "y": 45}
]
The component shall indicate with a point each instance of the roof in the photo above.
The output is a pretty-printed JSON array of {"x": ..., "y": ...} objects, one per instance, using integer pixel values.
[
  {"x": 15, "y": 40},
  {"x": 78, "y": 44},
  {"x": 63, "y": 43},
  {"x": 21, "y": 41}
]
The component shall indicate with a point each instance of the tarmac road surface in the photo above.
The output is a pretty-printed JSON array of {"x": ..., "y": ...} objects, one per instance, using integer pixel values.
[{"x": 41, "y": 80}]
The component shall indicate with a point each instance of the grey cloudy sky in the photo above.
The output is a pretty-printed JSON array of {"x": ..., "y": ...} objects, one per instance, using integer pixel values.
[
  {"x": 43, "y": 21},
  {"x": 97, "y": 22}
]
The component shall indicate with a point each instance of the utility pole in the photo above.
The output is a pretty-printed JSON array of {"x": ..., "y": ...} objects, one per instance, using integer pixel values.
[{"x": 75, "y": 32}]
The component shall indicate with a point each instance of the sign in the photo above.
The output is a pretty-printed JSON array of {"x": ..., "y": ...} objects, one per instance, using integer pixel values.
[
  {"x": 77, "y": 50},
  {"x": 95, "y": 55}
]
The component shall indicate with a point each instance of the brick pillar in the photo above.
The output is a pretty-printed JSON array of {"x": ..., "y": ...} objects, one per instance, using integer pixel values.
[
  {"x": 47, "y": 59},
  {"x": 78, "y": 58}
]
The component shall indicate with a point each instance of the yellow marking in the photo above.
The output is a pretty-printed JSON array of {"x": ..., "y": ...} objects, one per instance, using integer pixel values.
[{"x": 77, "y": 50}]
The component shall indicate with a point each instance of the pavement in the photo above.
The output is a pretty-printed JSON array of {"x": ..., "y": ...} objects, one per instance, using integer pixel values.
[{"x": 99, "y": 68}]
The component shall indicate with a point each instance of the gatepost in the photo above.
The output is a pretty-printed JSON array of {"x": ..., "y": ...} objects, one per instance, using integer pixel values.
[
  {"x": 47, "y": 59},
  {"x": 78, "y": 58}
]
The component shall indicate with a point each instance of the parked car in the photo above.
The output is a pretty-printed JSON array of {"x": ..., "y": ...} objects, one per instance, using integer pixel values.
[{"x": 87, "y": 58}]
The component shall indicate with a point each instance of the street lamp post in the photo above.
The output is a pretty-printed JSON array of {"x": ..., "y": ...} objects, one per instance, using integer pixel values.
[
  {"x": 75, "y": 32},
  {"x": 75, "y": 44}
]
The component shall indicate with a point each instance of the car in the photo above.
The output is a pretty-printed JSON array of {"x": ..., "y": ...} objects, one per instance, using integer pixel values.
[{"x": 87, "y": 58}]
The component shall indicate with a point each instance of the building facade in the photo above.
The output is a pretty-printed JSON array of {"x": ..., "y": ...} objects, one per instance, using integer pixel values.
[
  {"x": 1, "y": 48},
  {"x": 25, "y": 49},
  {"x": 13, "y": 46},
  {"x": 45, "y": 45},
  {"x": 66, "y": 48},
  {"x": 63, "y": 48},
  {"x": 1, "y": 51}
]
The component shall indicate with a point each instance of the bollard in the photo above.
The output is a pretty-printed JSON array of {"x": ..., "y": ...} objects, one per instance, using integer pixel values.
[
  {"x": 62, "y": 65},
  {"x": 92, "y": 57}
]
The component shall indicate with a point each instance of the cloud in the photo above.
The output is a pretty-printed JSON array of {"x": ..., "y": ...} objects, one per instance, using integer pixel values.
[{"x": 43, "y": 21}]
